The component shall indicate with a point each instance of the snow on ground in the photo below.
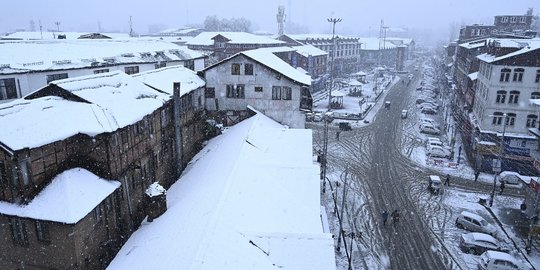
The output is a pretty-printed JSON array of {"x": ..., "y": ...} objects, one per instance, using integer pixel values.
[{"x": 249, "y": 200}]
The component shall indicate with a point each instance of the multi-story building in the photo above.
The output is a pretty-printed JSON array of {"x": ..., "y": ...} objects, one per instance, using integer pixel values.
[
  {"x": 221, "y": 45},
  {"x": 475, "y": 31},
  {"x": 514, "y": 23},
  {"x": 60, "y": 143},
  {"x": 508, "y": 76},
  {"x": 347, "y": 53},
  {"x": 24, "y": 67},
  {"x": 260, "y": 79}
]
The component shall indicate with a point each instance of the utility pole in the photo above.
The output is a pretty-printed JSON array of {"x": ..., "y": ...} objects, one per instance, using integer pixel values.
[
  {"x": 497, "y": 164},
  {"x": 130, "y": 27},
  {"x": 57, "y": 26},
  {"x": 333, "y": 21}
]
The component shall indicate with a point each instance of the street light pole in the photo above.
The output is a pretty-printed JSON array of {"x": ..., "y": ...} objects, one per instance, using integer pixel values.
[{"x": 333, "y": 21}]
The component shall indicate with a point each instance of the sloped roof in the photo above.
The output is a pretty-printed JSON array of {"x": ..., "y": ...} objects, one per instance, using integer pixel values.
[
  {"x": 27, "y": 56},
  {"x": 164, "y": 78},
  {"x": 109, "y": 101},
  {"x": 251, "y": 200},
  {"x": 69, "y": 197},
  {"x": 372, "y": 44},
  {"x": 206, "y": 38},
  {"x": 307, "y": 50}
]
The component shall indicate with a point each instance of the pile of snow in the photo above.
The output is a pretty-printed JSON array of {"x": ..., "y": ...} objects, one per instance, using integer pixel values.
[{"x": 155, "y": 189}]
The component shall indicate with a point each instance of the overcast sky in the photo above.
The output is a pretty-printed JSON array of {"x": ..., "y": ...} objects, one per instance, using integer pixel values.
[{"x": 357, "y": 15}]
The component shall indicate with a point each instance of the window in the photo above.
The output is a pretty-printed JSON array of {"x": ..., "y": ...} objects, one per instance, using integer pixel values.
[
  {"x": 276, "y": 92},
  {"x": 54, "y": 77},
  {"x": 258, "y": 89},
  {"x": 124, "y": 136},
  {"x": 3, "y": 175},
  {"x": 537, "y": 80},
  {"x": 160, "y": 64},
  {"x": 164, "y": 118},
  {"x": 497, "y": 118},
  {"x": 501, "y": 97},
  {"x": 513, "y": 19},
  {"x": 42, "y": 231},
  {"x": 510, "y": 119},
  {"x": 248, "y": 69},
  {"x": 210, "y": 92},
  {"x": 18, "y": 231},
  {"x": 8, "y": 89},
  {"x": 505, "y": 75},
  {"x": 287, "y": 93},
  {"x": 98, "y": 71},
  {"x": 189, "y": 64},
  {"x": 504, "y": 19},
  {"x": 131, "y": 70},
  {"x": 513, "y": 98},
  {"x": 535, "y": 95},
  {"x": 522, "y": 19},
  {"x": 26, "y": 174},
  {"x": 235, "y": 91},
  {"x": 235, "y": 69},
  {"x": 518, "y": 75},
  {"x": 98, "y": 214},
  {"x": 531, "y": 120}
]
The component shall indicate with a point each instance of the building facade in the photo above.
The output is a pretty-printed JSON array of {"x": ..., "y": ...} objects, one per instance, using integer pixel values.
[
  {"x": 262, "y": 80},
  {"x": 111, "y": 126}
]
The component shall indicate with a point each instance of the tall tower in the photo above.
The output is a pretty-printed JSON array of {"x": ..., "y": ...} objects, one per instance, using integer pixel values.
[{"x": 280, "y": 19}]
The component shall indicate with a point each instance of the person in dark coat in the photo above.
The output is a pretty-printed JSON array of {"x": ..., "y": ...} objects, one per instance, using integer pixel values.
[
  {"x": 447, "y": 180},
  {"x": 476, "y": 175},
  {"x": 395, "y": 217},
  {"x": 384, "y": 217},
  {"x": 502, "y": 187}
]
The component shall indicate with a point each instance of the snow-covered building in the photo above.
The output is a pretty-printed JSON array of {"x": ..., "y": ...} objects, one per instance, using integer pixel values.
[
  {"x": 508, "y": 76},
  {"x": 347, "y": 56},
  {"x": 49, "y": 35},
  {"x": 261, "y": 79},
  {"x": 311, "y": 59},
  {"x": 26, "y": 66},
  {"x": 77, "y": 156},
  {"x": 221, "y": 45},
  {"x": 238, "y": 207}
]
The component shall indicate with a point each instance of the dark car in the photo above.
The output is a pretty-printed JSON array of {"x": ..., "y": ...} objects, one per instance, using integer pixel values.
[{"x": 344, "y": 126}]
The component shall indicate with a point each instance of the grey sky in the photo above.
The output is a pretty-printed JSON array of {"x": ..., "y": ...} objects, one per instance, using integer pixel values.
[{"x": 358, "y": 15}]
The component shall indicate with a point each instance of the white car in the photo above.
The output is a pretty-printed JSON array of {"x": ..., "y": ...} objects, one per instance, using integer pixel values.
[
  {"x": 429, "y": 110},
  {"x": 495, "y": 260},
  {"x": 430, "y": 121},
  {"x": 404, "y": 114},
  {"x": 478, "y": 243},
  {"x": 437, "y": 151},
  {"x": 475, "y": 223},
  {"x": 511, "y": 178},
  {"x": 429, "y": 104},
  {"x": 429, "y": 129}
]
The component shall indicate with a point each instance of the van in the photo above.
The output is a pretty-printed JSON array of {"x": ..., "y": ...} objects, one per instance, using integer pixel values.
[
  {"x": 434, "y": 184},
  {"x": 495, "y": 260},
  {"x": 475, "y": 223}
]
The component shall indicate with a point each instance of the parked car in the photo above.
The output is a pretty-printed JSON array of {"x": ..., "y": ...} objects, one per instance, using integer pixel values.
[
  {"x": 429, "y": 121},
  {"x": 344, "y": 126},
  {"x": 429, "y": 104},
  {"x": 434, "y": 184},
  {"x": 423, "y": 99},
  {"x": 429, "y": 129},
  {"x": 428, "y": 110},
  {"x": 437, "y": 151},
  {"x": 475, "y": 223},
  {"x": 404, "y": 114},
  {"x": 387, "y": 104},
  {"x": 434, "y": 139},
  {"x": 495, "y": 260},
  {"x": 511, "y": 178},
  {"x": 478, "y": 243}
]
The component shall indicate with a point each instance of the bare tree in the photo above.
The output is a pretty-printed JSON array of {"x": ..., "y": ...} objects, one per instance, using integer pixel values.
[
  {"x": 32, "y": 25},
  {"x": 213, "y": 23}
]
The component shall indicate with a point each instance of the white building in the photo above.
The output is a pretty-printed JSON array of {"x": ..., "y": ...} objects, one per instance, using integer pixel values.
[
  {"x": 261, "y": 79},
  {"x": 26, "y": 66},
  {"x": 507, "y": 78}
]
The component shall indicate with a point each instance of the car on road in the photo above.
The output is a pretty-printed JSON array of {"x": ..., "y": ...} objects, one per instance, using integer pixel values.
[
  {"x": 387, "y": 104},
  {"x": 475, "y": 223},
  {"x": 428, "y": 110},
  {"x": 496, "y": 260},
  {"x": 429, "y": 129},
  {"x": 437, "y": 151},
  {"x": 511, "y": 178},
  {"x": 478, "y": 243},
  {"x": 404, "y": 114},
  {"x": 344, "y": 126},
  {"x": 434, "y": 184}
]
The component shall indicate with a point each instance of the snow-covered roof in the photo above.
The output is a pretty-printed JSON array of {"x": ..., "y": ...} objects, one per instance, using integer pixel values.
[
  {"x": 178, "y": 31},
  {"x": 163, "y": 79},
  {"x": 473, "y": 76},
  {"x": 372, "y": 44},
  {"x": 301, "y": 37},
  {"x": 473, "y": 44},
  {"x": 534, "y": 101},
  {"x": 533, "y": 45},
  {"x": 250, "y": 201},
  {"x": 307, "y": 50},
  {"x": 69, "y": 197},
  {"x": 400, "y": 41},
  {"x": 107, "y": 102},
  {"x": 36, "y": 35},
  {"x": 354, "y": 82},
  {"x": 28, "y": 56},
  {"x": 206, "y": 38}
]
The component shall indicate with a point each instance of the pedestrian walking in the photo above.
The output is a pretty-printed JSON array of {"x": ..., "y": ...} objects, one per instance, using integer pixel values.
[
  {"x": 502, "y": 187},
  {"x": 384, "y": 217},
  {"x": 447, "y": 180},
  {"x": 476, "y": 174},
  {"x": 337, "y": 135},
  {"x": 395, "y": 217}
]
